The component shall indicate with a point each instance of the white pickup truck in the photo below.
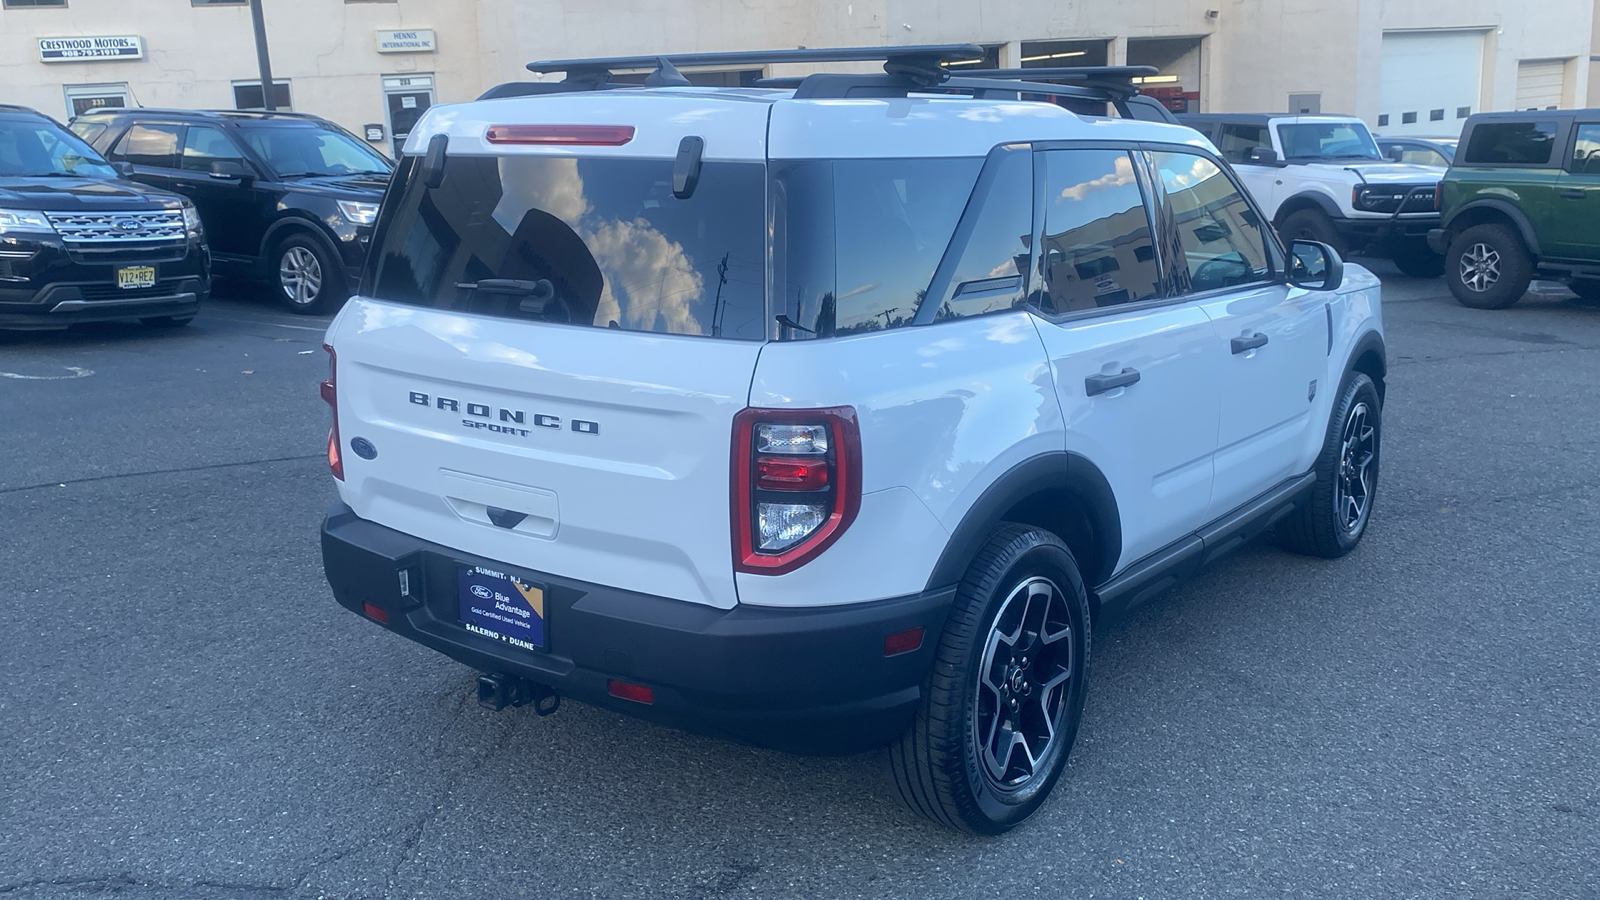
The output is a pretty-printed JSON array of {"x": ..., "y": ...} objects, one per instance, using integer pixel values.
[{"x": 1321, "y": 178}]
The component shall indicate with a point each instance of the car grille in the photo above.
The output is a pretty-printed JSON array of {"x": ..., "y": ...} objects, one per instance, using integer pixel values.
[{"x": 117, "y": 228}]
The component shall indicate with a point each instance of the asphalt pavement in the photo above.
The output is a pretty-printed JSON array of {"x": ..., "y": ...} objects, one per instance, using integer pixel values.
[{"x": 186, "y": 713}]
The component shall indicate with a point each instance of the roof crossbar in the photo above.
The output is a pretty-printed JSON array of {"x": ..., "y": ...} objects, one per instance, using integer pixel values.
[{"x": 922, "y": 62}]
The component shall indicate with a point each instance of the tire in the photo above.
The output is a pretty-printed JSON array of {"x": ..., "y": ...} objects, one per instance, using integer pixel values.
[
  {"x": 309, "y": 280},
  {"x": 1327, "y": 524},
  {"x": 1487, "y": 267},
  {"x": 942, "y": 769},
  {"x": 167, "y": 321},
  {"x": 1311, "y": 225},
  {"x": 1419, "y": 262}
]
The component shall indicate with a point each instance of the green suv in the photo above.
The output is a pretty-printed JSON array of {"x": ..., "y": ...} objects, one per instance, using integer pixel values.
[{"x": 1522, "y": 199}]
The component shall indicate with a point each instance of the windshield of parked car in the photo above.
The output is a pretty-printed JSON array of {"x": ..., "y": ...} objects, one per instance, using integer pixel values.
[
  {"x": 1327, "y": 140},
  {"x": 32, "y": 147},
  {"x": 297, "y": 151}
]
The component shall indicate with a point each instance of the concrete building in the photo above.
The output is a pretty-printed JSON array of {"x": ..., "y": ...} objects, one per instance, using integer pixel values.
[{"x": 1406, "y": 66}]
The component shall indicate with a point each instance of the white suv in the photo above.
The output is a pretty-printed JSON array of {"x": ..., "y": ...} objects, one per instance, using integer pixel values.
[
  {"x": 829, "y": 416},
  {"x": 1321, "y": 178}
]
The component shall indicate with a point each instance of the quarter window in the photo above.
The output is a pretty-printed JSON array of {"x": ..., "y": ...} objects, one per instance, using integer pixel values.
[
  {"x": 1097, "y": 249},
  {"x": 1221, "y": 236},
  {"x": 1511, "y": 143},
  {"x": 150, "y": 145}
]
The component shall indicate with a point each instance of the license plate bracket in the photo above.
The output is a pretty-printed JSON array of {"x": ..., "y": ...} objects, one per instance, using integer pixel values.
[
  {"x": 132, "y": 277},
  {"x": 501, "y": 606}
]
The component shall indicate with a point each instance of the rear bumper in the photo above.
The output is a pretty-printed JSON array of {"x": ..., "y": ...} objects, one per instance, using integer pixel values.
[{"x": 811, "y": 681}]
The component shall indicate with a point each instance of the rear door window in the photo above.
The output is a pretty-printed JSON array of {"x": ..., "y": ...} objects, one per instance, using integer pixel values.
[
  {"x": 595, "y": 242},
  {"x": 1097, "y": 249},
  {"x": 1511, "y": 143},
  {"x": 155, "y": 146},
  {"x": 987, "y": 265},
  {"x": 204, "y": 145},
  {"x": 1586, "y": 151}
]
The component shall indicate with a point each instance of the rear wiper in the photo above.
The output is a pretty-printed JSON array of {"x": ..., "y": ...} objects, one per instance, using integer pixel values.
[{"x": 538, "y": 293}]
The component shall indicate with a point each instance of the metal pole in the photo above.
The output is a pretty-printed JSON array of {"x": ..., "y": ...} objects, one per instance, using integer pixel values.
[{"x": 263, "y": 62}]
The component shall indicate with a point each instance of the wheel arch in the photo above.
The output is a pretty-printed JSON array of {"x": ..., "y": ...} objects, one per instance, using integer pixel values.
[
  {"x": 1488, "y": 211},
  {"x": 1063, "y": 493},
  {"x": 1307, "y": 200},
  {"x": 287, "y": 226},
  {"x": 1370, "y": 357}
]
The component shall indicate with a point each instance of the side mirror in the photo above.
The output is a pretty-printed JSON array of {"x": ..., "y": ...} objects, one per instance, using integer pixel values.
[
  {"x": 1315, "y": 266},
  {"x": 1395, "y": 154},
  {"x": 229, "y": 169},
  {"x": 124, "y": 169},
  {"x": 1261, "y": 156}
]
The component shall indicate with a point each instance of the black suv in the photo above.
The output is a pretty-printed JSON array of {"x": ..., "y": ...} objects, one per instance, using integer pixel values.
[
  {"x": 78, "y": 244},
  {"x": 286, "y": 198}
]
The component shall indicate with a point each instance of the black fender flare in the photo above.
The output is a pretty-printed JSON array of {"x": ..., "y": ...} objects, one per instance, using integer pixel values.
[
  {"x": 1505, "y": 208},
  {"x": 1330, "y": 208},
  {"x": 1371, "y": 342},
  {"x": 1061, "y": 470}
]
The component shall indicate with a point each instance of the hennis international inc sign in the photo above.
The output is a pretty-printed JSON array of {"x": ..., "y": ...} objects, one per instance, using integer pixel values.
[{"x": 81, "y": 49}]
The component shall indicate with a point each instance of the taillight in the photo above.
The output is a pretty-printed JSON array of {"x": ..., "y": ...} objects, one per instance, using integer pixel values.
[
  {"x": 564, "y": 135},
  {"x": 796, "y": 485},
  {"x": 330, "y": 393}
]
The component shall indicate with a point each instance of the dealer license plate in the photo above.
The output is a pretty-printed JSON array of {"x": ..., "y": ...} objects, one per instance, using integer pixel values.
[
  {"x": 501, "y": 606},
  {"x": 136, "y": 277}
]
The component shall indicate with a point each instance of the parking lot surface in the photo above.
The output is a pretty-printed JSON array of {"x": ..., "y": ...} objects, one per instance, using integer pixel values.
[{"x": 186, "y": 713}]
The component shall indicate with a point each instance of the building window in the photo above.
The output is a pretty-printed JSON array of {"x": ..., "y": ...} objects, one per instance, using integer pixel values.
[
  {"x": 1383, "y": 120},
  {"x": 13, "y": 4},
  {"x": 82, "y": 98},
  {"x": 1435, "y": 115},
  {"x": 1463, "y": 111},
  {"x": 247, "y": 95},
  {"x": 217, "y": 2},
  {"x": 1409, "y": 118}
]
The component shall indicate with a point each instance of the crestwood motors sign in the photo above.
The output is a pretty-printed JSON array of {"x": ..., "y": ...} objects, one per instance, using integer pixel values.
[{"x": 79, "y": 49}]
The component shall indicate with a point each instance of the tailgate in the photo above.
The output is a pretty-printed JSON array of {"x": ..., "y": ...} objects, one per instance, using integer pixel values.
[{"x": 596, "y": 454}]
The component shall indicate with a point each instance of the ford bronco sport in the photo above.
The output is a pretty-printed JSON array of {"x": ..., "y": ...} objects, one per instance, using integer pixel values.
[
  {"x": 1523, "y": 199},
  {"x": 1321, "y": 178},
  {"x": 830, "y": 414}
]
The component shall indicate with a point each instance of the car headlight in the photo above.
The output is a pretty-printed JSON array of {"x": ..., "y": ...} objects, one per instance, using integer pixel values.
[
  {"x": 24, "y": 220},
  {"x": 359, "y": 213},
  {"x": 191, "y": 217}
]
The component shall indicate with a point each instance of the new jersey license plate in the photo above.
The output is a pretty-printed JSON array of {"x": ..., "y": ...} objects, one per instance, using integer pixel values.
[
  {"x": 136, "y": 277},
  {"x": 501, "y": 606}
]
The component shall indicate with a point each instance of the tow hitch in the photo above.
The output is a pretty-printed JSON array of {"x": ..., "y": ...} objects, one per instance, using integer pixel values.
[{"x": 496, "y": 692}]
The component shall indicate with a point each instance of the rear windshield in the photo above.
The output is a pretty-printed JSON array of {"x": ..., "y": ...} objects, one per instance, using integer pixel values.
[
  {"x": 598, "y": 242},
  {"x": 856, "y": 242}
]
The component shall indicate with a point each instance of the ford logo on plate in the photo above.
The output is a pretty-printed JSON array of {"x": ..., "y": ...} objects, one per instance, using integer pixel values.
[
  {"x": 481, "y": 592},
  {"x": 363, "y": 448},
  {"x": 126, "y": 224}
]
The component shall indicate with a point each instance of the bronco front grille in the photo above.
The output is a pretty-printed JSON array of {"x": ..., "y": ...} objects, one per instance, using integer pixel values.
[{"x": 116, "y": 228}]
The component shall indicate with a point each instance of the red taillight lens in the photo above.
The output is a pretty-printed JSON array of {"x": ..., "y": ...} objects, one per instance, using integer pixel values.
[
  {"x": 779, "y": 474},
  {"x": 569, "y": 135},
  {"x": 796, "y": 485},
  {"x": 638, "y": 693},
  {"x": 330, "y": 393}
]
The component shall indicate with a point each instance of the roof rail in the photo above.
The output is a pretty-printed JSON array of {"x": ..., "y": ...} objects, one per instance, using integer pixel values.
[{"x": 923, "y": 62}]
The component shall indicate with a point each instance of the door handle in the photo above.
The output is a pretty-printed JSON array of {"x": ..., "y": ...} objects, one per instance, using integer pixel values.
[
  {"x": 1572, "y": 193},
  {"x": 1099, "y": 384},
  {"x": 1245, "y": 344}
]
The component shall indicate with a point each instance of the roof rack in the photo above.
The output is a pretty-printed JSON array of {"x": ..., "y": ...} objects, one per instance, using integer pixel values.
[{"x": 906, "y": 69}]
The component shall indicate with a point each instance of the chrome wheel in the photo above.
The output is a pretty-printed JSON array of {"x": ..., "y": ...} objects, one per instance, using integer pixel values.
[
  {"x": 300, "y": 274},
  {"x": 1358, "y": 451},
  {"x": 1480, "y": 267},
  {"x": 1024, "y": 678}
]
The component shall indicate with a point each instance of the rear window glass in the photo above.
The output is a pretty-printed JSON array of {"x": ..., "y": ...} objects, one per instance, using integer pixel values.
[
  {"x": 1512, "y": 143},
  {"x": 600, "y": 242},
  {"x": 856, "y": 242}
]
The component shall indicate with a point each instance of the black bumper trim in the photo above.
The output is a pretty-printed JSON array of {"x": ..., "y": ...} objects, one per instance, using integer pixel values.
[{"x": 812, "y": 681}]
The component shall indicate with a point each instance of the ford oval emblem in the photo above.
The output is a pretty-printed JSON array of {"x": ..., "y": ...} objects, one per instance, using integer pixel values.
[
  {"x": 126, "y": 224},
  {"x": 363, "y": 448},
  {"x": 481, "y": 592}
]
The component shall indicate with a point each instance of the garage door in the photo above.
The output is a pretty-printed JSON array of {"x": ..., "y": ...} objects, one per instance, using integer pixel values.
[
  {"x": 1430, "y": 83},
  {"x": 1539, "y": 83}
]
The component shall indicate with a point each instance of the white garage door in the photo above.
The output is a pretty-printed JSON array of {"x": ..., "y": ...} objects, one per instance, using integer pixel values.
[
  {"x": 1539, "y": 83},
  {"x": 1431, "y": 81}
]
